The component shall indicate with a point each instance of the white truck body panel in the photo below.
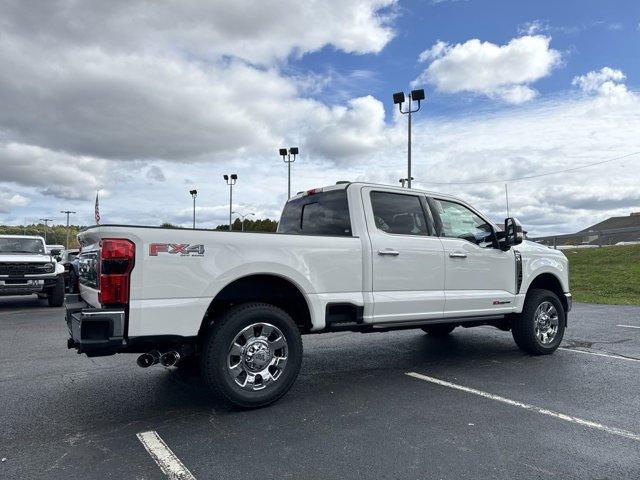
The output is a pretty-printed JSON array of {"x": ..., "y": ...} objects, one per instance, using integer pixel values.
[{"x": 170, "y": 294}]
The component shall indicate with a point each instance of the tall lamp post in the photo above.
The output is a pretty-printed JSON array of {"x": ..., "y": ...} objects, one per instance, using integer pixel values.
[
  {"x": 243, "y": 217},
  {"x": 67, "y": 212},
  {"x": 194, "y": 194},
  {"x": 231, "y": 181},
  {"x": 398, "y": 99},
  {"x": 46, "y": 224},
  {"x": 286, "y": 157},
  {"x": 403, "y": 181}
]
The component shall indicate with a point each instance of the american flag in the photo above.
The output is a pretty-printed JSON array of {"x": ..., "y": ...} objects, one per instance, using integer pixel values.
[{"x": 97, "y": 212}]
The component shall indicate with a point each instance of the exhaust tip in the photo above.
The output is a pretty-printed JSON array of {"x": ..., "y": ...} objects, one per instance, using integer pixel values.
[
  {"x": 148, "y": 359},
  {"x": 170, "y": 358}
]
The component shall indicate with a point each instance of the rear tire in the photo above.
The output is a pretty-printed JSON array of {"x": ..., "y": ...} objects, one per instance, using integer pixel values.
[
  {"x": 439, "y": 330},
  {"x": 539, "y": 329},
  {"x": 251, "y": 355},
  {"x": 55, "y": 297}
]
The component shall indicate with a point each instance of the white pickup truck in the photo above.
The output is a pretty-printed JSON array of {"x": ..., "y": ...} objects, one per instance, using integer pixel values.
[
  {"x": 27, "y": 267},
  {"x": 352, "y": 256}
]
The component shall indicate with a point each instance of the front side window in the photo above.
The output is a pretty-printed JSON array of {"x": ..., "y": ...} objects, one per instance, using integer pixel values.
[
  {"x": 460, "y": 222},
  {"x": 398, "y": 213}
]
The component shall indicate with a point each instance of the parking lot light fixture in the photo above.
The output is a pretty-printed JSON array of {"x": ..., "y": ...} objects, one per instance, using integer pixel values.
[
  {"x": 286, "y": 157},
  {"x": 231, "y": 181},
  {"x": 399, "y": 99},
  {"x": 194, "y": 194},
  {"x": 243, "y": 217}
]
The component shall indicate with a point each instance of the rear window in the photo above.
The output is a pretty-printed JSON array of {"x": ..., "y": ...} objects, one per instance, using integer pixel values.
[{"x": 325, "y": 213}]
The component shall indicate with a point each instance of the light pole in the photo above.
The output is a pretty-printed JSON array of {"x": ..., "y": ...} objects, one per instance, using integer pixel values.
[
  {"x": 398, "y": 99},
  {"x": 67, "y": 212},
  {"x": 46, "y": 224},
  {"x": 243, "y": 217},
  {"x": 286, "y": 157},
  {"x": 194, "y": 194},
  {"x": 404, "y": 180},
  {"x": 231, "y": 181},
  {"x": 506, "y": 196}
]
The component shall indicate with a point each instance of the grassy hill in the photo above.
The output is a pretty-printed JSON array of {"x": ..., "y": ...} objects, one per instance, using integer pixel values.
[{"x": 608, "y": 275}]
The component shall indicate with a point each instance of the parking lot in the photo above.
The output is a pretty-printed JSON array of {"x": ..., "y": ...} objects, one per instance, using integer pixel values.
[{"x": 387, "y": 405}]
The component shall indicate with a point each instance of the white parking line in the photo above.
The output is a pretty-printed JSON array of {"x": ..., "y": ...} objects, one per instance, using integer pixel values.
[
  {"x": 628, "y": 326},
  {"x": 526, "y": 406},
  {"x": 170, "y": 465},
  {"x": 618, "y": 357}
]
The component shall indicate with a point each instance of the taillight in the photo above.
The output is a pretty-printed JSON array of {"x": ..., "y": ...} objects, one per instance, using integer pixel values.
[{"x": 116, "y": 262}]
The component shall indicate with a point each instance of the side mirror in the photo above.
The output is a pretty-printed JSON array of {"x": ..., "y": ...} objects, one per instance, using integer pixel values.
[
  {"x": 513, "y": 233},
  {"x": 55, "y": 252}
]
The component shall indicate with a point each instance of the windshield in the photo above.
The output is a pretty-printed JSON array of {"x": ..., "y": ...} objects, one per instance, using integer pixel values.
[{"x": 21, "y": 245}]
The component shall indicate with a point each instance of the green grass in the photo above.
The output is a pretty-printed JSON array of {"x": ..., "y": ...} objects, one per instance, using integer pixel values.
[{"x": 609, "y": 275}]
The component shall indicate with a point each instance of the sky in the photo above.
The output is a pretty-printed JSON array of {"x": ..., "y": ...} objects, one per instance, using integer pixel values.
[{"x": 146, "y": 100}]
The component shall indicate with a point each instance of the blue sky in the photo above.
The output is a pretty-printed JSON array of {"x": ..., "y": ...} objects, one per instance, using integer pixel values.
[
  {"x": 145, "y": 101},
  {"x": 590, "y": 34}
]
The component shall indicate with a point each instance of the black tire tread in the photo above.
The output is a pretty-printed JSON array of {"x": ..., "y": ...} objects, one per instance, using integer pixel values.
[
  {"x": 521, "y": 329},
  {"x": 213, "y": 340},
  {"x": 55, "y": 296}
]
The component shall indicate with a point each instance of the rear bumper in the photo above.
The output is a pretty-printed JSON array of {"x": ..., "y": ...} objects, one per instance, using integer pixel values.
[{"x": 93, "y": 331}]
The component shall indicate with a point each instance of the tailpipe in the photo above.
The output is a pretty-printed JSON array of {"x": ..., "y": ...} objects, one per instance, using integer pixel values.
[
  {"x": 170, "y": 358},
  {"x": 148, "y": 359}
]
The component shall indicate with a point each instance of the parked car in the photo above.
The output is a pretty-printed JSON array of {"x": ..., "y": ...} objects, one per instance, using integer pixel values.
[
  {"x": 69, "y": 260},
  {"x": 27, "y": 268},
  {"x": 352, "y": 256}
]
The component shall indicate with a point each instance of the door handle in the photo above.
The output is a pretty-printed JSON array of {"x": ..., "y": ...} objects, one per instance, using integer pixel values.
[
  {"x": 457, "y": 255},
  {"x": 389, "y": 251}
]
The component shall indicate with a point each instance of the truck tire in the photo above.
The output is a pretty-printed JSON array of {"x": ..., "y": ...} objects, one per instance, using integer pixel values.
[
  {"x": 73, "y": 282},
  {"x": 252, "y": 355},
  {"x": 539, "y": 329},
  {"x": 55, "y": 296},
  {"x": 439, "y": 330}
]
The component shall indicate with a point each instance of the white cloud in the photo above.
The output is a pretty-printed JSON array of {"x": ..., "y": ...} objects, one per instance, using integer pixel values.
[
  {"x": 10, "y": 200},
  {"x": 607, "y": 83},
  {"x": 497, "y": 71}
]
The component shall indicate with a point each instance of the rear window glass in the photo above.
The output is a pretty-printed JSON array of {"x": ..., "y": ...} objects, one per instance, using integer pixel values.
[{"x": 324, "y": 213}]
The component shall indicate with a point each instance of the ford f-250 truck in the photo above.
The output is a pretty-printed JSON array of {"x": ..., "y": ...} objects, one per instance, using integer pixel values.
[
  {"x": 27, "y": 268},
  {"x": 351, "y": 256}
]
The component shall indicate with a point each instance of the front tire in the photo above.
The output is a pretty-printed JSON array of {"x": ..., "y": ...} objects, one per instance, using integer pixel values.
[
  {"x": 539, "y": 329},
  {"x": 439, "y": 330},
  {"x": 252, "y": 355},
  {"x": 55, "y": 297}
]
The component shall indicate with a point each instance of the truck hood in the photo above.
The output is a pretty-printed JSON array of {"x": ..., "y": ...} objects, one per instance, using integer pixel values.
[
  {"x": 25, "y": 258},
  {"x": 527, "y": 246}
]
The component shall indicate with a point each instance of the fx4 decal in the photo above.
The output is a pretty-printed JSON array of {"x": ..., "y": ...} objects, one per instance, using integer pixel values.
[{"x": 182, "y": 249}]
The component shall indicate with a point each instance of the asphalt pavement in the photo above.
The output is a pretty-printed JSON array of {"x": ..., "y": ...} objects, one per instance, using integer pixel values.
[{"x": 397, "y": 405}]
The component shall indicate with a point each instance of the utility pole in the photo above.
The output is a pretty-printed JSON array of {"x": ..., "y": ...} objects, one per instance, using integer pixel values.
[
  {"x": 399, "y": 99},
  {"x": 286, "y": 157},
  {"x": 194, "y": 194},
  {"x": 231, "y": 181},
  {"x": 67, "y": 212},
  {"x": 46, "y": 224},
  {"x": 506, "y": 195}
]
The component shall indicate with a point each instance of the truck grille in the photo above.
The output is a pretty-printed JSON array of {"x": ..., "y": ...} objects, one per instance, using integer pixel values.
[{"x": 25, "y": 268}]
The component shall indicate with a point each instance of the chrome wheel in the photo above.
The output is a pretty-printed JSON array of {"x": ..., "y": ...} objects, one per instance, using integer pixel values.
[
  {"x": 257, "y": 356},
  {"x": 546, "y": 322}
]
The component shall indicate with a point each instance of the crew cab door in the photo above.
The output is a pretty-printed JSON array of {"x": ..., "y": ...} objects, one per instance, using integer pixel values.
[
  {"x": 480, "y": 278},
  {"x": 407, "y": 259}
]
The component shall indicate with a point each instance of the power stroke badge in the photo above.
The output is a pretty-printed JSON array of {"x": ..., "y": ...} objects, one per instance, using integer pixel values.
[{"x": 181, "y": 249}]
